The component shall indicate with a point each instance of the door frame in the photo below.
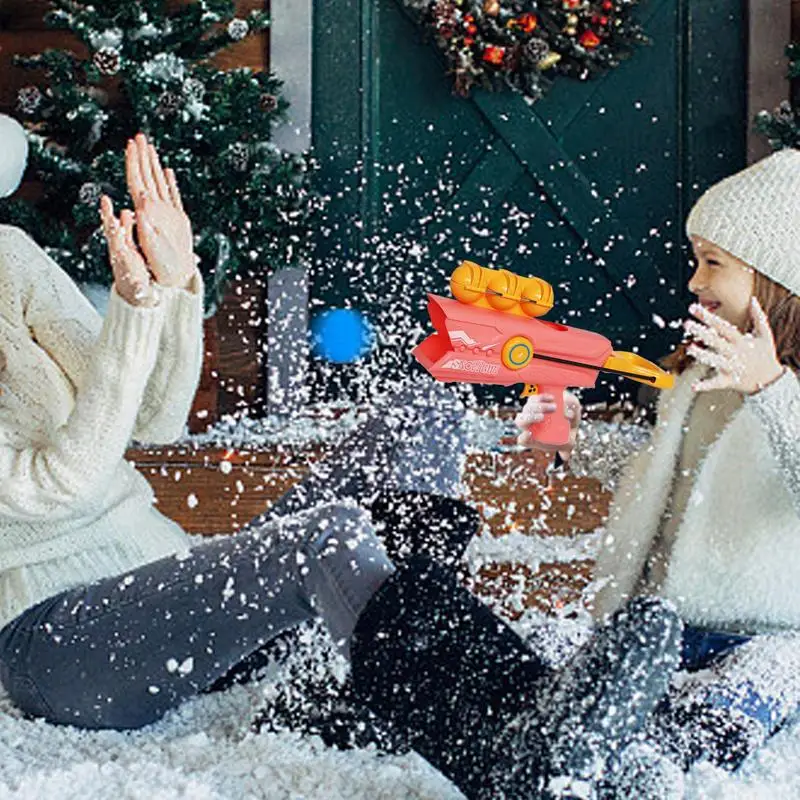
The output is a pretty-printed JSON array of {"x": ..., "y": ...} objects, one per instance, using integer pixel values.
[
  {"x": 769, "y": 24},
  {"x": 288, "y": 292}
]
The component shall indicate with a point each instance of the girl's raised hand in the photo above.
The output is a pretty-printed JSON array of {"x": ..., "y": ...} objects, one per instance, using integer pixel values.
[
  {"x": 744, "y": 361},
  {"x": 131, "y": 277},
  {"x": 164, "y": 229}
]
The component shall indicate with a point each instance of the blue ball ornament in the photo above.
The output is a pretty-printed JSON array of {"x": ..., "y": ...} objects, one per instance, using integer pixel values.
[{"x": 341, "y": 335}]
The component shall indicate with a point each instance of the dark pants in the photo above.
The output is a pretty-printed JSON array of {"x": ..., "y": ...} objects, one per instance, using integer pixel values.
[
  {"x": 437, "y": 665},
  {"x": 120, "y": 652},
  {"x": 701, "y": 646}
]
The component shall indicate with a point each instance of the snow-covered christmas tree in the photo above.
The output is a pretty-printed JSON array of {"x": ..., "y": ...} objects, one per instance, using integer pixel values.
[
  {"x": 782, "y": 125},
  {"x": 145, "y": 66}
]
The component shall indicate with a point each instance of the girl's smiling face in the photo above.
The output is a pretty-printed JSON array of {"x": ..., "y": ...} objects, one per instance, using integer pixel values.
[{"x": 722, "y": 278}]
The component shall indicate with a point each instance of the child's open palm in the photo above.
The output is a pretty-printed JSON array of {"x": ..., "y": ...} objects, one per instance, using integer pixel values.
[
  {"x": 131, "y": 276},
  {"x": 744, "y": 361},
  {"x": 535, "y": 409},
  {"x": 164, "y": 229}
]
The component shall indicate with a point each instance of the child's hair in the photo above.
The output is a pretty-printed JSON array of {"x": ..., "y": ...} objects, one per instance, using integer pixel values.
[{"x": 782, "y": 308}]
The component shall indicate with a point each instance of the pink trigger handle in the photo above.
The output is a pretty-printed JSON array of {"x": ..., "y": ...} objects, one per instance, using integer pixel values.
[{"x": 554, "y": 429}]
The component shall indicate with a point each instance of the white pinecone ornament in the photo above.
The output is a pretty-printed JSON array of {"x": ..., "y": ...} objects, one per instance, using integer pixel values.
[
  {"x": 169, "y": 103},
  {"x": 108, "y": 60},
  {"x": 238, "y": 29},
  {"x": 89, "y": 194},
  {"x": 239, "y": 156},
  {"x": 29, "y": 98}
]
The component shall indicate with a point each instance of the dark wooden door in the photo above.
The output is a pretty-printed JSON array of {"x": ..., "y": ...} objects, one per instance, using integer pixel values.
[{"x": 588, "y": 188}]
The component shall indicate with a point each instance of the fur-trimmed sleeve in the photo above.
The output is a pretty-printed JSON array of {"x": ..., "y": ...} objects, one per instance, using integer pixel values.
[
  {"x": 778, "y": 408},
  {"x": 602, "y": 450}
]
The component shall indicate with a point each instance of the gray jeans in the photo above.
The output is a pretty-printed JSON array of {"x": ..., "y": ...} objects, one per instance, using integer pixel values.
[{"x": 122, "y": 651}]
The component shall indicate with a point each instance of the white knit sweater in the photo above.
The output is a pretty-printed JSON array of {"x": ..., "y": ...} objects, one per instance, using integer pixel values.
[
  {"x": 75, "y": 390},
  {"x": 735, "y": 561}
]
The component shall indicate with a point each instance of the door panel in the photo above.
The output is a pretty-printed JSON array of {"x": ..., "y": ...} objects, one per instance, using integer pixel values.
[{"x": 588, "y": 188}]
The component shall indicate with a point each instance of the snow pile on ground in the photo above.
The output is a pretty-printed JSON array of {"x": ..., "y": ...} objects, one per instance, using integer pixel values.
[
  {"x": 201, "y": 752},
  {"x": 205, "y": 750}
]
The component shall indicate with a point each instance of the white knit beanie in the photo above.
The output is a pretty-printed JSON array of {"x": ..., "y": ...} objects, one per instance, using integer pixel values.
[
  {"x": 13, "y": 154},
  {"x": 755, "y": 216}
]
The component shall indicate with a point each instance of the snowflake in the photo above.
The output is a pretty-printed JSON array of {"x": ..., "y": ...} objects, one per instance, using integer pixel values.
[
  {"x": 238, "y": 29},
  {"x": 164, "y": 67}
]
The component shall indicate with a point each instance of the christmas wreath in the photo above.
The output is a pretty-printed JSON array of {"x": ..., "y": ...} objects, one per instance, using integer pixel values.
[{"x": 524, "y": 44}]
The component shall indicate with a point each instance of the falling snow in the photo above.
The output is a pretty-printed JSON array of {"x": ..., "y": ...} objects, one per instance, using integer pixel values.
[{"x": 204, "y": 750}]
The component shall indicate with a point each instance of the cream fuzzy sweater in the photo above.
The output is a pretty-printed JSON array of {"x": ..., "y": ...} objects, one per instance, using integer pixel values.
[
  {"x": 75, "y": 390},
  {"x": 734, "y": 550}
]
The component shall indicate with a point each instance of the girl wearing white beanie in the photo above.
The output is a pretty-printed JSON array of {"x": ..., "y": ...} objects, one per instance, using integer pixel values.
[{"x": 708, "y": 514}]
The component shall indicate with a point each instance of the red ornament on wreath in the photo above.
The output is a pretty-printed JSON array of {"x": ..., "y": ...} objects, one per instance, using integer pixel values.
[
  {"x": 607, "y": 5},
  {"x": 589, "y": 40},
  {"x": 494, "y": 55},
  {"x": 528, "y": 22},
  {"x": 570, "y": 4}
]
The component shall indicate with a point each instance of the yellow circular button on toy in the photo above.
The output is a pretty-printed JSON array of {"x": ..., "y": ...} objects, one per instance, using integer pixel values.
[{"x": 517, "y": 352}]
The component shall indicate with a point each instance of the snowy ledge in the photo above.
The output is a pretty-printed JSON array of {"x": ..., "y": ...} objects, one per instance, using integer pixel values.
[{"x": 325, "y": 423}]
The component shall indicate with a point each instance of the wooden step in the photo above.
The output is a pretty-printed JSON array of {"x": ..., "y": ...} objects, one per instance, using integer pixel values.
[
  {"x": 217, "y": 491},
  {"x": 514, "y": 587}
]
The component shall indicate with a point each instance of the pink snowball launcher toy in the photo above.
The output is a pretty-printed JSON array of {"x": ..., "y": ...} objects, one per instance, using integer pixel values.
[{"x": 491, "y": 334}]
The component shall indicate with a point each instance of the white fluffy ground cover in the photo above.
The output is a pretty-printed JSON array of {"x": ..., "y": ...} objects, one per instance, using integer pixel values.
[{"x": 205, "y": 750}]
